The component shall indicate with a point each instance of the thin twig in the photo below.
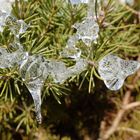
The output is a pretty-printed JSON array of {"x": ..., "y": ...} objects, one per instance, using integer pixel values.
[
  {"x": 118, "y": 118},
  {"x": 125, "y": 107}
]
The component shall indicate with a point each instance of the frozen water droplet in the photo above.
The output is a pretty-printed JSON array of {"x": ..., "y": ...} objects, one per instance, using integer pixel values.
[
  {"x": 87, "y": 30},
  {"x": 114, "y": 70},
  {"x": 22, "y": 26}
]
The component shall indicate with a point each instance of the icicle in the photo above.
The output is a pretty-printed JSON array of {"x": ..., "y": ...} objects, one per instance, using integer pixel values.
[
  {"x": 34, "y": 88},
  {"x": 33, "y": 77},
  {"x": 114, "y": 70}
]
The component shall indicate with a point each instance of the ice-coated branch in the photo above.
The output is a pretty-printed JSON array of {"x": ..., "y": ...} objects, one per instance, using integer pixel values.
[{"x": 35, "y": 69}]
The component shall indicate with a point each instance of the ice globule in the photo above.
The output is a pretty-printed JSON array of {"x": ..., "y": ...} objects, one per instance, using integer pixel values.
[
  {"x": 16, "y": 27},
  {"x": 114, "y": 70}
]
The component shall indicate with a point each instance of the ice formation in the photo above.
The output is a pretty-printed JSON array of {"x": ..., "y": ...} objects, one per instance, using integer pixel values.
[
  {"x": 34, "y": 69},
  {"x": 114, "y": 70},
  {"x": 87, "y": 31}
]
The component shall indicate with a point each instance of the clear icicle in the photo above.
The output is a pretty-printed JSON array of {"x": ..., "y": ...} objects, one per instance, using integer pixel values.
[
  {"x": 114, "y": 70},
  {"x": 32, "y": 76},
  {"x": 34, "y": 88}
]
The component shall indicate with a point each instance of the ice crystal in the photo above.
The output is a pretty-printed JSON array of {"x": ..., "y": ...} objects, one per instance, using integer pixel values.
[{"x": 114, "y": 70}]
